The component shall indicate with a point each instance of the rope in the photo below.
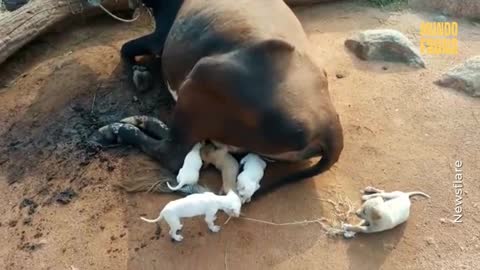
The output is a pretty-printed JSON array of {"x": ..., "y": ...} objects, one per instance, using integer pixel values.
[
  {"x": 323, "y": 222},
  {"x": 318, "y": 221},
  {"x": 118, "y": 18}
]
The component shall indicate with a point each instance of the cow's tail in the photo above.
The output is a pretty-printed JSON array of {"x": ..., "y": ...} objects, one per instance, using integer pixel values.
[{"x": 329, "y": 146}]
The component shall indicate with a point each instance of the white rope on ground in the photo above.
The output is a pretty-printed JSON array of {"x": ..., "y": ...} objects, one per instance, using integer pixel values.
[
  {"x": 343, "y": 209},
  {"x": 330, "y": 230},
  {"x": 118, "y": 18}
]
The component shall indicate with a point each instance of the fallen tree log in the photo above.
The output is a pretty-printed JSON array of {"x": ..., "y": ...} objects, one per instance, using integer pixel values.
[{"x": 26, "y": 23}]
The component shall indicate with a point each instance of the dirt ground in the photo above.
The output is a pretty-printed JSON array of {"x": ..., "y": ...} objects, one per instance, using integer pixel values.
[{"x": 60, "y": 208}]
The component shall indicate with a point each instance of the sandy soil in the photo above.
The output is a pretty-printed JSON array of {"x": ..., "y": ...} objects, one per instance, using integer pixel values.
[{"x": 401, "y": 133}]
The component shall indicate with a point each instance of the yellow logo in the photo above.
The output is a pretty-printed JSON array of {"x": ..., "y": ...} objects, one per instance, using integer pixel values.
[{"x": 439, "y": 38}]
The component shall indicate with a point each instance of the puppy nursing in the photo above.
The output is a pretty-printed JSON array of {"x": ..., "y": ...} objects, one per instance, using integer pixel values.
[
  {"x": 190, "y": 171},
  {"x": 383, "y": 210},
  {"x": 224, "y": 162},
  {"x": 206, "y": 204},
  {"x": 249, "y": 179},
  {"x": 247, "y": 182}
]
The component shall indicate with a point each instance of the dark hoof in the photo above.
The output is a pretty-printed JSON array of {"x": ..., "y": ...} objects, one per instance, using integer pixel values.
[
  {"x": 142, "y": 78},
  {"x": 108, "y": 134},
  {"x": 151, "y": 125},
  {"x": 138, "y": 121},
  {"x": 119, "y": 133},
  {"x": 128, "y": 134}
]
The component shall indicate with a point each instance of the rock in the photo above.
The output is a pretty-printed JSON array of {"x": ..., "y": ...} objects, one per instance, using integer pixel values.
[
  {"x": 464, "y": 77},
  {"x": 440, "y": 18},
  {"x": 457, "y": 8},
  {"x": 340, "y": 74},
  {"x": 306, "y": 2},
  {"x": 385, "y": 45},
  {"x": 430, "y": 241},
  {"x": 12, "y": 5},
  {"x": 66, "y": 196}
]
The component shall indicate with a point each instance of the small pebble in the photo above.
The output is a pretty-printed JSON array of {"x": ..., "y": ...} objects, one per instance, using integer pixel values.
[
  {"x": 430, "y": 241},
  {"x": 12, "y": 223}
]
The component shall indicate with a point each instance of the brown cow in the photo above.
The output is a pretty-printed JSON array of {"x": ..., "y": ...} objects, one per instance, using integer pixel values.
[{"x": 244, "y": 77}]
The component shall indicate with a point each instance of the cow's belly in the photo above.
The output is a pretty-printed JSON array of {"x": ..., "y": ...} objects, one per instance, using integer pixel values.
[
  {"x": 286, "y": 156},
  {"x": 173, "y": 92}
]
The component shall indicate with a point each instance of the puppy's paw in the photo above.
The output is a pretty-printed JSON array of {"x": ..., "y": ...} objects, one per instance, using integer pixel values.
[
  {"x": 215, "y": 228},
  {"x": 245, "y": 199},
  {"x": 177, "y": 238},
  {"x": 366, "y": 197},
  {"x": 347, "y": 227},
  {"x": 142, "y": 78},
  {"x": 349, "y": 234},
  {"x": 370, "y": 189},
  {"x": 245, "y": 195}
]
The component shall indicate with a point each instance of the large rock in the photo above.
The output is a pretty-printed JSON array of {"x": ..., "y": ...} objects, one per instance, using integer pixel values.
[
  {"x": 385, "y": 45},
  {"x": 464, "y": 77},
  {"x": 458, "y": 8},
  {"x": 305, "y": 2}
]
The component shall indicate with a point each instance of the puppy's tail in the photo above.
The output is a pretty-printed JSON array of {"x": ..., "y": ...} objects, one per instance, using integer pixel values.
[
  {"x": 179, "y": 186},
  {"x": 153, "y": 220},
  {"x": 413, "y": 193}
]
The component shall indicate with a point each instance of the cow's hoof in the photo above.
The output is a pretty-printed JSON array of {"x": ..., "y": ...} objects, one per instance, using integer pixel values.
[
  {"x": 151, "y": 125},
  {"x": 109, "y": 133},
  {"x": 117, "y": 133},
  {"x": 138, "y": 121},
  {"x": 142, "y": 78},
  {"x": 128, "y": 134}
]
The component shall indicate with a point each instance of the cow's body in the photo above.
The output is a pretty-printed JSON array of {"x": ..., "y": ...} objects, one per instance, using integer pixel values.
[{"x": 244, "y": 78}]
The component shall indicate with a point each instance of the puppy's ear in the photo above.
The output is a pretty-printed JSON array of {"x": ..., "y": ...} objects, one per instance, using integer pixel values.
[{"x": 375, "y": 214}]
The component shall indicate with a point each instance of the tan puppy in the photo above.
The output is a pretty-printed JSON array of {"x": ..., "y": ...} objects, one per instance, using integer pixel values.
[
  {"x": 383, "y": 211},
  {"x": 223, "y": 161}
]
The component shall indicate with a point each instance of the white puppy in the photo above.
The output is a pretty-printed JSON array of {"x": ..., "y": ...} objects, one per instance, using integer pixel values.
[
  {"x": 383, "y": 210},
  {"x": 195, "y": 205},
  {"x": 190, "y": 171},
  {"x": 223, "y": 161},
  {"x": 248, "y": 181}
]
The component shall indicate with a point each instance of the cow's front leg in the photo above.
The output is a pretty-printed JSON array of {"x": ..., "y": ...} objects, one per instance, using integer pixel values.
[{"x": 139, "y": 75}]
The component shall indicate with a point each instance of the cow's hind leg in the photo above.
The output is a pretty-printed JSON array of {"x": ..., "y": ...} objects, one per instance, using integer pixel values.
[
  {"x": 169, "y": 154},
  {"x": 150, "y": 125},
  {"x": 125, "y": 133}
]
